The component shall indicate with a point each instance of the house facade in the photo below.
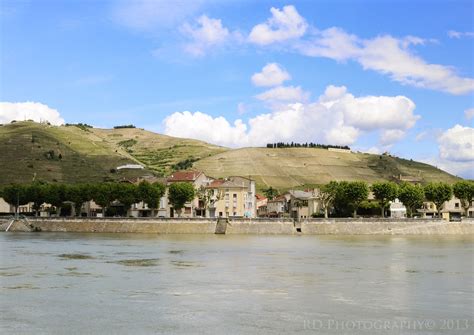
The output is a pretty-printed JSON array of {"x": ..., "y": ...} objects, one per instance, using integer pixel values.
[
  {"x": 302, "y": 204},
  {"x": 231, "y": 197}
]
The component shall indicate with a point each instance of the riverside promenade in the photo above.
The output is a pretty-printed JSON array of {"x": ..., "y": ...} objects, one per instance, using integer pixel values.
[{"x": 361, "y": 226}]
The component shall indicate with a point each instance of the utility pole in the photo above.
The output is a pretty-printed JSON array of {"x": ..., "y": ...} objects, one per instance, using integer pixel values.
[{"x": 17, "y": 205}]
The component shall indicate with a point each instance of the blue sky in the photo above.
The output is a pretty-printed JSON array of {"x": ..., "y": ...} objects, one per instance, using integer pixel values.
[{"x": 379, "y": 76}]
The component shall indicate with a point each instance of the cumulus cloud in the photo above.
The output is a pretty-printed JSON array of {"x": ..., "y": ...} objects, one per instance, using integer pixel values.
[
  {"x": 284, "y": 93},
  {"x": 457, "y": 144},
  {"x": 206, "y": 34},
  {"x": 285, "y": 24},
  {"x": 469, "y": 113},
  {"x": 391, "y": 136},
  {"x": 385, "y": 54},
  {"x": 459, "y": 34},
  {"x": 204, "y": 127},
  {"x": 271, "y": 75},
  {"x": 35, "y": 111},
  {"x": 331, "y": 119}
]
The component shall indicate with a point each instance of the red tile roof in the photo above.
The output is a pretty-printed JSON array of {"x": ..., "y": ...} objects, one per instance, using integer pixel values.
[
  {"x": 260, "y": 197},
  {"x": 216, "y": 183}
]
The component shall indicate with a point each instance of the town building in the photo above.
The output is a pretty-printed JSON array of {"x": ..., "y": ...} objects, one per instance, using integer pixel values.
[
  {"x": 278, "y": 206},
  {"x": 302, "y": 204},
  {"x": 231, "y": 197}
]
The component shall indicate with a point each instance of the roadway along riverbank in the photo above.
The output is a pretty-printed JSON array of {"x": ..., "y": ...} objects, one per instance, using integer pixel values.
[{"x": 244, "y": 226}]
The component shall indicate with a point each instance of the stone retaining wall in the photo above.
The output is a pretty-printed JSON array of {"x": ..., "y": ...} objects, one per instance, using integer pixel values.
[{"x": 246, "y": 226}]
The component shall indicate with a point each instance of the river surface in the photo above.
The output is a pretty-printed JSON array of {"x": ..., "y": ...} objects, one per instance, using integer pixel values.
[{"x": 63, "y": 283}]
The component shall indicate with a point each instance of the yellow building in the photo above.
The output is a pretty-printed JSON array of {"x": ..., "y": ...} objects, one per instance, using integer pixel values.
[{"x": 232, "y": 197}]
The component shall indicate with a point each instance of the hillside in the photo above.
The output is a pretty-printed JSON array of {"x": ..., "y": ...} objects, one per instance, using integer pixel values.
[
  {"x": 79, "y": 154},
  {"x": 299, "y": 167},
  {"x": 76, "y": 154}
]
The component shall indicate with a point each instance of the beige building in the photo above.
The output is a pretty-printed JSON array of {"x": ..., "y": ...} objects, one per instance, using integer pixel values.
[
  {"x": 230, "y": 197},
  {"x": 278, "y": 207},
  {"x": 302, "y": 204},
  {"x": 199, "y": 180},
  {"x": 452, "y": 210}
]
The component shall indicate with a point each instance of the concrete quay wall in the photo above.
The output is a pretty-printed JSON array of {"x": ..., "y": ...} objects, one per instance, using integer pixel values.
[{"x": 245, "y": 226}]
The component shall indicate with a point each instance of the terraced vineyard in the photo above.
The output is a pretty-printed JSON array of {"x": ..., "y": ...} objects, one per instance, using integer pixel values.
[{"x": 32, "y": 151}]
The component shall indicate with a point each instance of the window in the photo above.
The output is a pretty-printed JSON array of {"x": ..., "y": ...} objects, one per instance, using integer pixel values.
[{"x": 456, "y": 205}]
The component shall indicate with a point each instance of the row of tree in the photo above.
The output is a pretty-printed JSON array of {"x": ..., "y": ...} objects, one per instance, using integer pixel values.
[
  {"x": 345, "y": 196},
  {"x": 305, "y": 145},
  {"x": 103, "y": 194}
]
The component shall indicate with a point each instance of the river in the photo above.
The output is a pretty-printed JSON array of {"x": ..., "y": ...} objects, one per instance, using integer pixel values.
[{"x": 63, "y": 283}]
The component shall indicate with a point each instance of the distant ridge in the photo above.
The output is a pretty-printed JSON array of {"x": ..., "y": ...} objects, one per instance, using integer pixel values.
[{"x": 79, "y": 153}]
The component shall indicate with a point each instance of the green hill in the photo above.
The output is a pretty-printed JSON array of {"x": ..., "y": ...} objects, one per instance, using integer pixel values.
[
  {"x": 33, "y": 151},
  {"x": 304, "y": 167}
]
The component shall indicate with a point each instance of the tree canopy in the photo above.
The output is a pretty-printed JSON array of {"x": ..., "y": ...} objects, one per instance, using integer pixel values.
[
  {"x": 411, "y": 196},
  {"x": 179, "y": 194},
  {"x": 384, "y": 192},
  {"x": 464, "y": 191},
  {"x": 438, "y": 193}
]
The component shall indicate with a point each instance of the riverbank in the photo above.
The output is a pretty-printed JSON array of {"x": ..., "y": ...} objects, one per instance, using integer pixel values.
[{"x": 245, "y": 226}]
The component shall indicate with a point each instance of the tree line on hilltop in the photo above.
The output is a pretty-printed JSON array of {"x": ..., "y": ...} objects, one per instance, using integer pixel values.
[{"x": 305, "y": 145}]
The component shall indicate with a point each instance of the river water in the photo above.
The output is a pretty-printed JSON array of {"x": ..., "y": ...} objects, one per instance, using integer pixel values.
[{"x": 61, "y": 283}]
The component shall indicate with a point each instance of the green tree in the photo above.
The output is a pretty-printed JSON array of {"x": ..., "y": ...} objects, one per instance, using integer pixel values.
[
  {"x": 36, "y": 193},
  {"x": 384, "y": 192},
  {"x": 270, "y": 193},
  {"x": 438, "y": 193},
  {"x": 55, "y": 194},
  {"x": 411, "y": 196},
  {"x": 179, "y": 194},
  {"x": 103, "y": 194},
  {"x": 327, "y": 196},
  {"x": 464, "y": 191},
  {"x": 126, "y": 194},
  {"x": 16, "y": 195},
  {"x": 78, "y": 194},
  {"x": 351, "y": 194},
  {"x": 150, "y": 193}
]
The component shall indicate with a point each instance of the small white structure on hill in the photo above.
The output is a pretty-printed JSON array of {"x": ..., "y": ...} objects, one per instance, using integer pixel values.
[{"x": 130, "y": 166}]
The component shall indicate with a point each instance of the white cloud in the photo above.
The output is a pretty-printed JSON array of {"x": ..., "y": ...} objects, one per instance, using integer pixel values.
[
  {"x": 332, "y": 43},
  {"x": 457, "y": 144},
  {"x": 330, "y": 120},
  {"x": 384, "y": 54},
  {"x": 365, "y": 113},
  {"x": 458, "y": 34},
  {"x": 272, "y": 75},
  {"x": 208, "y": 33},
  {"x": 284, "y": 93},
  {"x": 285, "y": 24},
  {"x": 204, "y": 127},
  {"x": 146, "y": 15},
  {"x": 469, "y": 113},
  {"x": 391, "y": 136},
  {"x": 388, "y": 55},
  {"x": 35, "y": 111}
]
